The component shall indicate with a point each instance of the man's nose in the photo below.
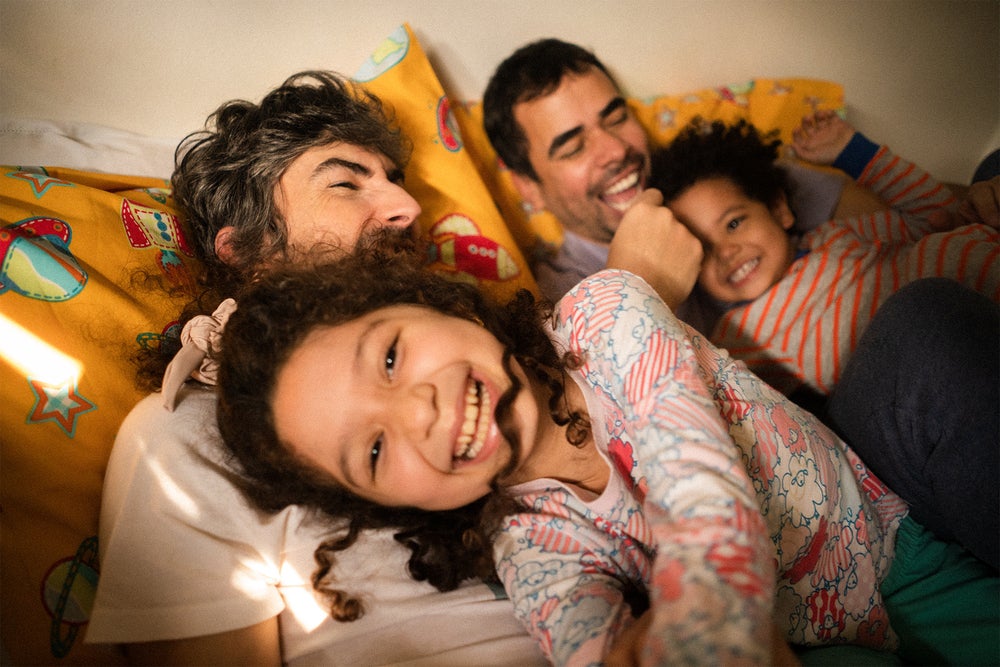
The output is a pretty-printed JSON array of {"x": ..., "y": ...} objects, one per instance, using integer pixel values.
[
  {"x": 609, "y": 147},
  {"x": 397, "y": 208}
]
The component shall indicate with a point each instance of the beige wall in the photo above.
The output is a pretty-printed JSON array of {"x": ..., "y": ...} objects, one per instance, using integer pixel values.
[{"x": 920, "y": 75}]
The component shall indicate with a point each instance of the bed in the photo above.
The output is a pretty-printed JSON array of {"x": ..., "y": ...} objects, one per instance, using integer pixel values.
[{"x": 84, "y": 209}]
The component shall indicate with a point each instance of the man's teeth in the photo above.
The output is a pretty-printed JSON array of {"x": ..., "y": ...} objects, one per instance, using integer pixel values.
[
  {"x": 630, "y": 181},
  {"x": 624, "y": 184},
  {"x": 476, "y": 422},
  {"x": 742, "y": 272}
]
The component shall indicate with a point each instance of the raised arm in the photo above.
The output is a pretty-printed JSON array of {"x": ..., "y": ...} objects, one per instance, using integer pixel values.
[
  {"x": 925, "y": 204},
  {"x": 711, "y": 585},
  {"x": 712, "y": 589},
  {"x": 821, "y": 137}
]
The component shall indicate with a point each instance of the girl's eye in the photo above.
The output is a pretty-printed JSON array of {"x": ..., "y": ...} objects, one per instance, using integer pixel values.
[
  {"x": 390, "y": 359},
  {"x": 375, "y": 453},
  {"x": 734, "y": 223}
]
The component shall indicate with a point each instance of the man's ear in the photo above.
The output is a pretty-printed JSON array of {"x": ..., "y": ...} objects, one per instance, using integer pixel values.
[
  {"x": 224, "y": 244},
  {"x": 530, "y": 191},
  {"x": 782, "y": 212}
]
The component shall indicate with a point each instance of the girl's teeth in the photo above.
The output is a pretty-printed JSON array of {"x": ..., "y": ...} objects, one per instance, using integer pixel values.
[{"x": 475, "y": 423}]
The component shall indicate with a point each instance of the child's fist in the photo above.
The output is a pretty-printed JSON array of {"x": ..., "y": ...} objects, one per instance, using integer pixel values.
[{"x": 821, "y": 137}]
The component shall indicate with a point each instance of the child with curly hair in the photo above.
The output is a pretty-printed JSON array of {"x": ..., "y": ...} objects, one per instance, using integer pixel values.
[
  {"x": 794, "y": 305},
  {"x": 797, "y": 306},
  {"x": 604, "y": 458}
]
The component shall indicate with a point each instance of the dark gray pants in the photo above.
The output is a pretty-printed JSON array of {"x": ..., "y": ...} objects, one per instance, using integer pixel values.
[{"x": 920, "y": 403}]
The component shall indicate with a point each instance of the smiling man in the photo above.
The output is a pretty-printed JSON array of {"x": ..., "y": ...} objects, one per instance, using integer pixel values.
[
  {"x": 558, "y": 120},
  {"x": 561, "y": 124}
]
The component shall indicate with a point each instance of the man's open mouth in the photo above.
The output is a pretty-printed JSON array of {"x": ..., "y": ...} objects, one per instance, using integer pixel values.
[{"x": 626, "y": 185}]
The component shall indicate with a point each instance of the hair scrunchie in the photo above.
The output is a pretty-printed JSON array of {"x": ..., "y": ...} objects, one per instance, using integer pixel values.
[{"x": 200, "y": 342}]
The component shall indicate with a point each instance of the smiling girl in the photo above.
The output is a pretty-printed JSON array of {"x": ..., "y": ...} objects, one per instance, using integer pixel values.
[{"x": 604, "y": 459}]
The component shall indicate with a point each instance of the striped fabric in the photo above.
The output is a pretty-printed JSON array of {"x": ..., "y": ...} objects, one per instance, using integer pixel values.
[{"x": 804, "y": 329}]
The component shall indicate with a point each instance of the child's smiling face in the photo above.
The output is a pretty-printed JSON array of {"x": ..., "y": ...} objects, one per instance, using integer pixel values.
[
  {"x": 746, "y": 243},
  {"x": 399, "y": 406}
]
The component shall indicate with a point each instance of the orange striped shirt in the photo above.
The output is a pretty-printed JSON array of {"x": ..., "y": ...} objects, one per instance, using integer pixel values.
[{"x": 803, "y": 330}]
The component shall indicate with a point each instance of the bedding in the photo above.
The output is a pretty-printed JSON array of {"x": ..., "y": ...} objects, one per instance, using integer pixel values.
[
  {"x": 86, "y": 249},
  {"x": 85, "y": 146}
]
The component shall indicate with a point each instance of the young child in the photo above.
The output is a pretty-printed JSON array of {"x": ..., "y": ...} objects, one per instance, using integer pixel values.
[
  {"x": 796, "y": 305},
  {"x": 608, "y": 459}
]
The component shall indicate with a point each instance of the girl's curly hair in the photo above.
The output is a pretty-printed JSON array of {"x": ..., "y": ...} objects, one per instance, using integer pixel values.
[
  {"x": 275, "y": 315},
  {"x": 739, "y": 153}
]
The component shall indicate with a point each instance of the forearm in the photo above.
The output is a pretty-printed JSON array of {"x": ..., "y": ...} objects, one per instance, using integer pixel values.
[
  {"x": 257, "y": 645},
  {"x": 570, "y": 605},
  {"x": 901, "y": 184}
]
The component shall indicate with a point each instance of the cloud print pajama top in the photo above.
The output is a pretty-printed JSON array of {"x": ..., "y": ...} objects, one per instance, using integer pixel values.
[{"x": 728, "y": 504}]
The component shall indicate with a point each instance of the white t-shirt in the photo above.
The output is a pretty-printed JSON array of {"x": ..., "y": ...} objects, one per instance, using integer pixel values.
[{"x": 183, "y": 554}]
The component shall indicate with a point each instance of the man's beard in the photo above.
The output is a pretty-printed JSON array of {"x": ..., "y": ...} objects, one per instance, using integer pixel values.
[{"x": 391, "y": 240}]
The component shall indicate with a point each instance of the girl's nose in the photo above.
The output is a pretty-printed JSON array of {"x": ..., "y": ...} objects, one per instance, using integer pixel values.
[
  {"x": 726, "y": 250},
  {"x": 418, "y": 411}
]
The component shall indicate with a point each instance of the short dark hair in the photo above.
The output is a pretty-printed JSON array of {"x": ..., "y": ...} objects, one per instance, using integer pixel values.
[
  {"x": 226, "y": 174},
  {"x": 533, "y": 71},
  {"x": 739, "y": 153}
]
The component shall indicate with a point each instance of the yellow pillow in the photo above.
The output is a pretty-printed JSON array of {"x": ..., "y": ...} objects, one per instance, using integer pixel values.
[
  {"x": 767, "y": 103},
  {"x": 72, "y": 313},
  {"x": 469, "y": 239}
]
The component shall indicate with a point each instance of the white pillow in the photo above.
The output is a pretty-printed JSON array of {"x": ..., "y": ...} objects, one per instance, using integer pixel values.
[{"x": 84, "y": 146}]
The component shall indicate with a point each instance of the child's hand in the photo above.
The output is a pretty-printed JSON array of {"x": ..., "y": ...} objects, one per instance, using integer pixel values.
[
  {"x": 626, "y": 651},
  {"x": 821, "y": 137}
]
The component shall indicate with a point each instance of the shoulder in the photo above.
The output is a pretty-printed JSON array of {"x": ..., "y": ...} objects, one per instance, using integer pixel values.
[
  {"x": 607, "y": 304},
  {"x": 606, "y": 290},
  {"x": 153, "y": 433},
  {"x": 195, "y": 407},
  {"x": 168, "y": 489},
  {"x": 160, "y": 455},
  {"x": 576, "y": 259},
  {"x": 814, "y": 193}
]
